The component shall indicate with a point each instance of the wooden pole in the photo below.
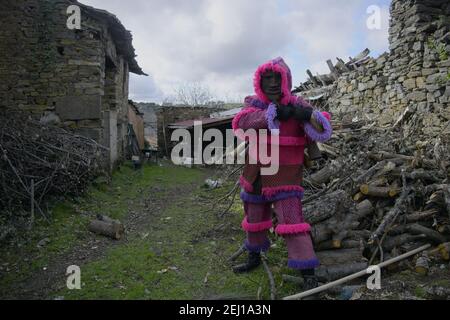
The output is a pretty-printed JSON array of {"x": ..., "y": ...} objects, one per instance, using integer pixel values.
[{"x": 355, "y": 275}]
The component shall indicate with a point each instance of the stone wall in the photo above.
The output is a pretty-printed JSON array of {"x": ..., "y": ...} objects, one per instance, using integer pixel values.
[
  {"x": 74, "y": 77},
  {"x": 413, "y": 76}
]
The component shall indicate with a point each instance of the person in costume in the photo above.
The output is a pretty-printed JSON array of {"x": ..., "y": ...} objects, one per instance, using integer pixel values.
[{"x": 296, "y": 125}]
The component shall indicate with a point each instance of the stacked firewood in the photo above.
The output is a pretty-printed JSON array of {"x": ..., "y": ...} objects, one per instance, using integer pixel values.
[
  {"x": 39, "y": 161},
  {"x": 375, "y": 195}
]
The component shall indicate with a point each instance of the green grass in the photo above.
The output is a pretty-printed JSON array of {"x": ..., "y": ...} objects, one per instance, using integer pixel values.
[
  {"x": 173, "y": 253},
  {"x": 70, "y": 217},
  {"x": 174, "y": 260}
]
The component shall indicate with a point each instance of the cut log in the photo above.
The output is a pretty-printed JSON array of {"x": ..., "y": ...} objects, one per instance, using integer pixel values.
[
  {"x": 326, "y": 207},
  {"x": 364, "y": 209},
  {"x": 359, "y": 197},
  {"x": 445, "y": 229},
  {"x": 382, "y": 155},
  {"x": 429, "y": 175},
  {"x": 343, "y": 256},
  {"x": 382, "y": 192},
  {"x": 391, "y": 216},
  {"x": 331, "y": 273},
  {"x": 391, "y": 243},
  {"x": 325, "y": 174},
  {"x": 342, "y": 224},
  {"x": 113, "y": 229},
  {"x": 444, "y": 250},
  {"x": 420, "y": 216},
  {"x": 344, "y": 244},
  {"x": 432, "y": 235},
  {"x": 324, "y": 148},
  {"x": 422, "y": 266}
]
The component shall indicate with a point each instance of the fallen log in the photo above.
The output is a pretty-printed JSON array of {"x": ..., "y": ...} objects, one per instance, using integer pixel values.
[{"x": 107, "y": 227}]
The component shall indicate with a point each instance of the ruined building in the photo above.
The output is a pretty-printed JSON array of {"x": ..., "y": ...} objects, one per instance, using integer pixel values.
[
  {"x": 74, "y": 77},
  {"x": 409, "y": 84}
]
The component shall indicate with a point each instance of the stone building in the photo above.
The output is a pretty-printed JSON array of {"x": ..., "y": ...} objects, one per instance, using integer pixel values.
[
  {"x": 411, "y": 81},
  {"x": 75, "y": 77}
]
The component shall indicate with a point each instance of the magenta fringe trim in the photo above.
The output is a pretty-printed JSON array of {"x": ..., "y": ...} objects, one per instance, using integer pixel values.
[
  {"x": 256, "y": 227},
  {"x": 257, "y": 198},
  {"x": 272, "y": 65},
  {"x": 257, "y": 248},
  {"x": 247, "y": 186},
  {"x": 272, "y": 123},
  {"x": 303, "y": 264},
  {"x": 283, "y": 229},
  {"x": 272, "y": 191},
  {"x": 313, "y": 133},
  {"x": 237, "y": 118}
]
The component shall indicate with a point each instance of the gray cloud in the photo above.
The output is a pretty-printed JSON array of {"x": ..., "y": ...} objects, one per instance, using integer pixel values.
[{"x": 220, "y": 42}]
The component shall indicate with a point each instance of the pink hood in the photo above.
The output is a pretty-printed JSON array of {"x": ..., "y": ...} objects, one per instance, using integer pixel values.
[{"x": 275, "y": 65}]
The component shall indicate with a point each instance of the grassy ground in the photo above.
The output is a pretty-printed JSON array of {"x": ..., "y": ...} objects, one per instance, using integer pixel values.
[{"x": 176, "y": 247}]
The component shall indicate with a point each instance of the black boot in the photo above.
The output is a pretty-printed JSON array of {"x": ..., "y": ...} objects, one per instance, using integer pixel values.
[
  {"x": 254, "y": 260},
  {"x": 310, "y": 281}
]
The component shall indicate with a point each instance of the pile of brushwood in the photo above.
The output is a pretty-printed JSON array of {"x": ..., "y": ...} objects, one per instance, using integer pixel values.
[
  {"x": 375, "y": 194},
  {"x": 39, "y": 162}
]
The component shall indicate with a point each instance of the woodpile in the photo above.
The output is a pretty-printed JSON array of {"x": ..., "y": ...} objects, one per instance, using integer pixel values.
[
  {"x": 319, "y": 81},
  {"x": 39, "y": 162},
  {"x": 372, "y": 197}
]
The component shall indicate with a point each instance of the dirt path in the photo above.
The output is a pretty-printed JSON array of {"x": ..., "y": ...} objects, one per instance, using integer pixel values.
[{"x": 141, "y": 212}]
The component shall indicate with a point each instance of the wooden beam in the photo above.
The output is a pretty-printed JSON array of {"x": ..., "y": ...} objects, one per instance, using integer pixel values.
[{"x": 311, "y": 77}]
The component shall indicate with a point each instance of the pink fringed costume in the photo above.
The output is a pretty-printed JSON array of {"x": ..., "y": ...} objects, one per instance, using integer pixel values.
[{"x": 283, "y": 190}]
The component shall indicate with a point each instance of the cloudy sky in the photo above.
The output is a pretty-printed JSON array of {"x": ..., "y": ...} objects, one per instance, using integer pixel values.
[{"x": 219, "y": 43}]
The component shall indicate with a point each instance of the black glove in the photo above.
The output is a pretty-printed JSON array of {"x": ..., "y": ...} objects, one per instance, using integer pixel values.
[
  {"x": 284, "y": 113},
  {"x": 302, "y": 113}
]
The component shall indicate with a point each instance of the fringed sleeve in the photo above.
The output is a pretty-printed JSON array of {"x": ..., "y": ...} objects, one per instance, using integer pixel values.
[
  {"x": 315, "y": 135},
  {"x": 255, "y": 118}
]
